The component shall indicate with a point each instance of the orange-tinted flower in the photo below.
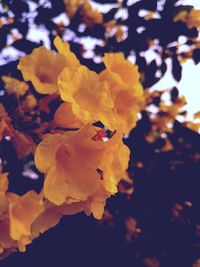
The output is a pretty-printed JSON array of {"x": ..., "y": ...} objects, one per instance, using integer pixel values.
[
  {"x": 125, "y": 89},
  {"x": 65, "y": 118},
  {"x": 120, "y": 73},
  {"x": 115, "y": 162},
  {"x": 90, "y": 98},
  {"x": 60, "y": 160},
  {"x": 50, "y": 217},
  {"x": 23, "y": 211},
  {"x": 7, "y": 244},
  {"x": 42, "y": 66},
  {"x": 64, "y": 49},
  {"x": 79, "y": 169},
  {"x": 94, "y": 204}
]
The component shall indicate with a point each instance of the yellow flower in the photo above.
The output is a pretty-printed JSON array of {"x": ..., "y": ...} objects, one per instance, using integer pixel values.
[
  {"x": 7, "y": 244},
  {"x": 17, "y": 217},
  {"x": 80, "y": 168},
  {"x": 125, "y": 89},
  {"x": 120, "y": 73},
  {"x": 64, "y": 49},
  {"x": 97, "y": 202},
  {"x": 64, "y": 180},
  {"x": 42, "y": 67},
  {"x": 65, "y": 118},
  {"x": 14, "y": 86},
  {"x": 90, "y": 98},
  {"x": 94, "y": 204},
  {"x": 50, "y": 217},
  {"x": 23, "y": 211},
  {"x": 115, "y": 162}
]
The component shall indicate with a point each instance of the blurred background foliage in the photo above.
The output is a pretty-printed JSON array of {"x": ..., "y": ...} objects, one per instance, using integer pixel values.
[{"x": 155, "y": 219}]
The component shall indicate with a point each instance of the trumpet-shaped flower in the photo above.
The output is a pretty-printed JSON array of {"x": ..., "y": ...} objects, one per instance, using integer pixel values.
[
  {"x": 64, "y": 49},
  {"x": 42, "y": 66},
  {"x": 125, "y": 89},
  {"x": 64, "y": 117},
  {"x": 23, "y": 211},
  {"x": 48, "y": 218},
  {"x": 74, "y": 165},
  {"x": 90, "y": 98},
  {"x": 7, "y": 244}
]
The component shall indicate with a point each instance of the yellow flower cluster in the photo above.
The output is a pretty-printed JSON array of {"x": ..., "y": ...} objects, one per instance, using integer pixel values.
[
  {"x": 81, "y": 165},
  {"x": 81, "y": 172},
  {"x": 114, "y": 97},
  {"x": 22, "y": 218}
]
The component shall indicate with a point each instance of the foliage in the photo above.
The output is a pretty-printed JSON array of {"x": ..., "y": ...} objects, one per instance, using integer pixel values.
[{"x": 70, "y": 117}]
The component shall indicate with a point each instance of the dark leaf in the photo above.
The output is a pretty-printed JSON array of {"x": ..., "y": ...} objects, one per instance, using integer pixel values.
[
  {"x": 174, "y": 94},
  {"x": 18, "y": 7},
  {"x": 196, "y": 55},
  {"x": 3, "y": 37},
  {"x": 141, "y": 62},
  {"x": 110, "y": 15},
  {"x": 25, "y": 45},
  {"x": 150, "y": 72},
  {"x": 149, "y": 5},
  {"x": 163, "y": 68},
  {"x": 176, "y": 69}
]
